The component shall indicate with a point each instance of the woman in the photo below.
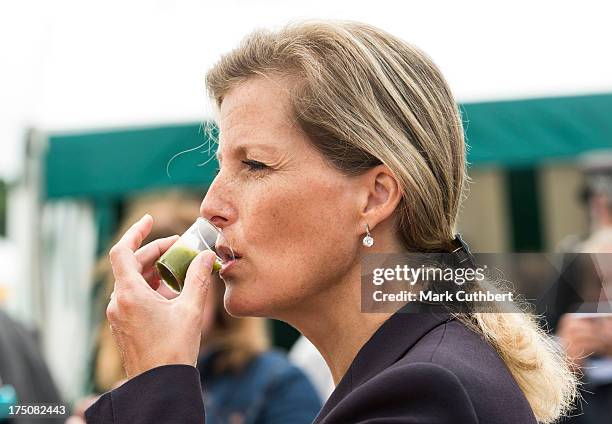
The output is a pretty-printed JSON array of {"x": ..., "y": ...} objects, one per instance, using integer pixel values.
[{"x": 331, "y": 135}]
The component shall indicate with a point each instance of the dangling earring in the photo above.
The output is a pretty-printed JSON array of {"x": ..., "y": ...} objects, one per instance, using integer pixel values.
[{"x": 368, "y": 241}]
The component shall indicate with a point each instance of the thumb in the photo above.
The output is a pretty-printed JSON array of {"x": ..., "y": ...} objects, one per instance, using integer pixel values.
[{"x": 198, "y": 278}]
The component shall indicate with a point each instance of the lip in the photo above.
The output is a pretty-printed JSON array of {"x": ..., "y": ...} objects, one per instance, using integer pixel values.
[
  {"x": 226, "y": 253},
  {"x": 226, "y": 266}
]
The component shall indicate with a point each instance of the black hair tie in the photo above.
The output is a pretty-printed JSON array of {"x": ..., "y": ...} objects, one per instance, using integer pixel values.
[{"x": 462, "y": 253}]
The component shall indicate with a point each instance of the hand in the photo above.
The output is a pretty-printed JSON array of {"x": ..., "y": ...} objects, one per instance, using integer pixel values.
[
  {"x": 78, "y": 413},
  {"x": 604, "y": 329},
  {"x": 149, "y": 329},
  {"x": 579, "y": 337}
]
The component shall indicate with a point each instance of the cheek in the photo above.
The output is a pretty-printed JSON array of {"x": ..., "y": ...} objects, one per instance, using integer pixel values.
[
  {"x": 300, "y": 219},
  {"x": 297, "y": 236}
]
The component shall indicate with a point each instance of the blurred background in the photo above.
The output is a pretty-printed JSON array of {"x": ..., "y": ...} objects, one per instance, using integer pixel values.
[{"x": 96, "y": 98}]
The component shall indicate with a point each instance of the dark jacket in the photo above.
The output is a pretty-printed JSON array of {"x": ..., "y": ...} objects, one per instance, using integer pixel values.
[{"x": 416, "y": 368}]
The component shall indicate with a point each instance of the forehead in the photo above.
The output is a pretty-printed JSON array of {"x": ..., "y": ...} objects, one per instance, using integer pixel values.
[{"x": 256, "y": 110}]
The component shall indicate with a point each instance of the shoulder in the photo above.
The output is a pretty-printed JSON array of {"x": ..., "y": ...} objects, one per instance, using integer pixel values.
[
  {"x": 451, "y": 375},
  {"x": 453, "y": 355},
  {"x": 289, "y": 395},
  {"x": 273, "y": 357},
  {"x": 458, "y": 349},
  {"x": 433, "y": 384},
  {"x": 265, "y": 371},
  {"x": 274, "y": 371},
  {"x": 407, "y": 392},
  {"x": 273, "y": 364}
]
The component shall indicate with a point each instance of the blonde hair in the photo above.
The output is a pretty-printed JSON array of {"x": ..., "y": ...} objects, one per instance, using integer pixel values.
[
  {"x": 237, "y": 339},
  {"x": 365, "y": 97}
]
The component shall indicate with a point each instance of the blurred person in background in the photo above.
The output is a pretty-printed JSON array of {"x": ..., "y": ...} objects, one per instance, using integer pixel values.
[
  {"x": 587, "y": 338},
  {"x": 244, "y": 381},
  {"x": 24, "y": 376}
]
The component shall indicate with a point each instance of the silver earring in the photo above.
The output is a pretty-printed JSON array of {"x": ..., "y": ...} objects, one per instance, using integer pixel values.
[{"x": 368, "y": 240}]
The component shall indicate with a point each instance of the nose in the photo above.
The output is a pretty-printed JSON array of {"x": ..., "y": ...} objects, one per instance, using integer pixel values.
[{"x": 216, "y": 206}]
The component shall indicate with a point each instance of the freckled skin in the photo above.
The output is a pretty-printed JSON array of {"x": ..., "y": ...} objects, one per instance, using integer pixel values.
[{"x": 295, "y": 223}]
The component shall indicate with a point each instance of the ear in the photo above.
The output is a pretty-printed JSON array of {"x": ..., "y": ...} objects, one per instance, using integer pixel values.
[{"x": 383, "y": 194}]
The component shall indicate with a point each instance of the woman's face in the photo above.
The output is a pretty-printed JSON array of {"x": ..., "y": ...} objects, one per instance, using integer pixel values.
[{"x": 291, "y": 218}]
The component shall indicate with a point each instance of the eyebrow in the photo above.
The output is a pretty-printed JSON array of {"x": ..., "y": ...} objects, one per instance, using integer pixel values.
[{"x": 244, "y": 147}]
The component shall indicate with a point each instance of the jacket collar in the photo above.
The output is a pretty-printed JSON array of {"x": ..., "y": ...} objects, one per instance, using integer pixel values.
[{"x": 388, "y": 344}]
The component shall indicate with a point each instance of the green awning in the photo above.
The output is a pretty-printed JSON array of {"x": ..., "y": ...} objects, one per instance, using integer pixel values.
[
  {"x": 527, "y": 132},
  {"x": 106, "y": 164},
  {"x": 113, "y": 163}
]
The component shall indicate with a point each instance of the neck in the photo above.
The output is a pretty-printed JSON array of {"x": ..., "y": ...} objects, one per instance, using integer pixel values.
[
  {"x": 334, "y": 323},
  {"x": 332, "y": 320}
]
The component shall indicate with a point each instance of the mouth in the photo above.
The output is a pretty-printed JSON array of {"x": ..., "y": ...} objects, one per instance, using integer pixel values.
[
  {"x": 226, "y": 253},
  {"x": 226, "y": 266}
]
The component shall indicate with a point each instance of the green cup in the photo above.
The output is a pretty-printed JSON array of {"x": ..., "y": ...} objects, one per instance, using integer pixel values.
[{"x": 202, "y": 235}]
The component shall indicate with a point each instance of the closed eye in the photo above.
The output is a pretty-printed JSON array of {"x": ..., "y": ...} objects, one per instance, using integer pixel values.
[{"x": 254, "y": 165}]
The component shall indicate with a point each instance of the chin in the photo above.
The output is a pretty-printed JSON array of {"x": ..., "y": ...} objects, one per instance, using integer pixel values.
[{"x": 242, "y": 303}]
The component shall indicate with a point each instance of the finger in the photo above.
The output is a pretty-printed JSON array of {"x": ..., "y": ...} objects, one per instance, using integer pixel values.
[
  {"x": 580, "y": 335},
  {"x": 148, "y": 254},
  {"x": 124, "y": 265},
  {"x": 123, "y": 262},
  {"x": 134, "y": 236},
  {"x": 585, "y": 343},
  {"x": 580, "y": 325},
  {"x": 152, "y": 277},
  {"x": 585, "y": 346},
  {"x": 197, "y": 280},
  {"x": 166, "y": 292}
]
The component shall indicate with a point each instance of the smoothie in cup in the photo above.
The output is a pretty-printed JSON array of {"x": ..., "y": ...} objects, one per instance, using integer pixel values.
[{"x": 202, "y": 235}]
